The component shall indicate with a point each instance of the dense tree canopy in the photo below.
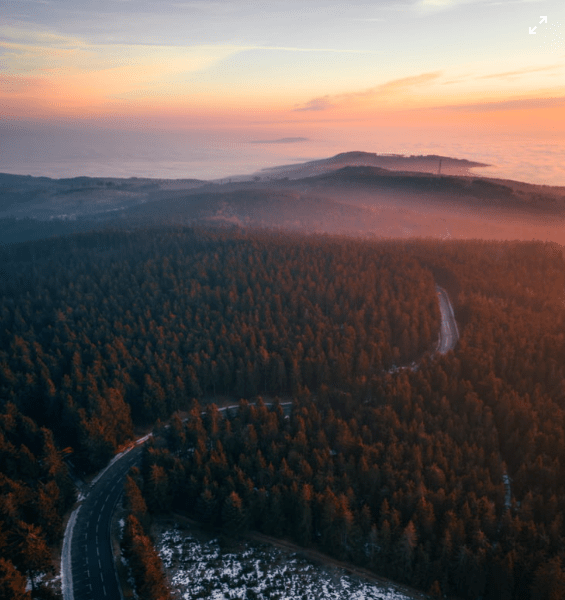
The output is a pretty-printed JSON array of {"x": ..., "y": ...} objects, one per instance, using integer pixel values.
[
  {"x": 105, "y": 331},
  {"x": 448, "y": 476}
]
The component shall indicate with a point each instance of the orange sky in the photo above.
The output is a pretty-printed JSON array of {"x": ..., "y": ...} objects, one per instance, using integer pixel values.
[
  {"x": 288, "y": 69},
  {"x": 382, "y": 64}
]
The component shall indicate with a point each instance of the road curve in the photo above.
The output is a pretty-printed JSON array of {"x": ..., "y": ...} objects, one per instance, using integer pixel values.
[
  {"x": 87, "y": 562},
  {"x": 449, "y": 333}
]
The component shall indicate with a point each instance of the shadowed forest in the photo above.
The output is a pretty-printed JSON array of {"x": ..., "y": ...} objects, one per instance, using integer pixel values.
[
  {"x": 448, "y": 477},
  {"x": 353, "y": 193}
]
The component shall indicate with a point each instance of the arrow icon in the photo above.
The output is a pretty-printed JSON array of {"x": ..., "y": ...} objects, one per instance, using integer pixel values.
[
  {"x": 532, "y": 30},
  {"x": 543, "y": 20}
]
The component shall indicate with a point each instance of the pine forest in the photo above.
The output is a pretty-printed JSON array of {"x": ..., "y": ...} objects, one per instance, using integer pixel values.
[{"x": 347, "y": 431}]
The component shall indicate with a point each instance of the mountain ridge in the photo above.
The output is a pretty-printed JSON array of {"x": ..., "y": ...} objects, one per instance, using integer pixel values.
[
  {"x": 394, "y": 162},
  {"x": 337, "y": 195}
]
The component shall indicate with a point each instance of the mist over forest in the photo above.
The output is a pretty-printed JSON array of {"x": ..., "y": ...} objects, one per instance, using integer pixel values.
[
  {"x": 355, "y": 193},
  {"x": 280, "y": 335}
]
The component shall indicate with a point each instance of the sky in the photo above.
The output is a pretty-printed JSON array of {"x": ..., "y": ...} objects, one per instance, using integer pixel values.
[{"x": 303, "y": 77}]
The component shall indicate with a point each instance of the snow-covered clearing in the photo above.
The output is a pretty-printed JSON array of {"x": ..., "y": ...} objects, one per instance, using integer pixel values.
[{"x": 201, "y": 569}]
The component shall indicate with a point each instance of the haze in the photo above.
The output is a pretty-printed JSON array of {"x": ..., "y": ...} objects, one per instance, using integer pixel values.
[
  {"x": 355, "y": 193},
  {"x": 188, "y": 89},
  {"x": 266, "y": 270}
]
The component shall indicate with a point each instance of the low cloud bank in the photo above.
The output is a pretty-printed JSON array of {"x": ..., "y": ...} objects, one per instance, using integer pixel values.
[{"x": 287, "y": 140}]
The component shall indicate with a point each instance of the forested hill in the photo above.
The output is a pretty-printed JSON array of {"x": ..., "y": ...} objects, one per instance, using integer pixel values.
[
  {"x": 354, "y": 193},
  {"x": 390, "y": 162},
  {"x": 401, "y": 471},
  {"x": 484, "y": 194}
]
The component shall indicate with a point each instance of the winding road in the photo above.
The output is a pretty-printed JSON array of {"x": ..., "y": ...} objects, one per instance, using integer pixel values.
[
  {"x": 449, "y": 333},
  {"x": 87, "y": 563}
]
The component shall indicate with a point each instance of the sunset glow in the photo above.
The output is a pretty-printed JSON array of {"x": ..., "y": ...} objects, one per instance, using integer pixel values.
[{"x": 286, "y": 70}]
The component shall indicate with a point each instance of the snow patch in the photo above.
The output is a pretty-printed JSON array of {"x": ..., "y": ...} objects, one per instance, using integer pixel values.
[
  {"x": 66, "y": 569},
  {"x": 200, "y": 569}
]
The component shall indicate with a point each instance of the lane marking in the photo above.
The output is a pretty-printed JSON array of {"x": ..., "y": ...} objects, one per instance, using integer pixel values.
[{"x": 108, "y": 477}]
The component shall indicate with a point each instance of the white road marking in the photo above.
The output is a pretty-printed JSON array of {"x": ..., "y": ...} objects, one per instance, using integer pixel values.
[{"x": 111, "y": 479}]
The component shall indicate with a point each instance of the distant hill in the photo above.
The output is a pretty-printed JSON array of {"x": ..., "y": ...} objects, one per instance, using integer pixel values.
[
  {"x": 45, "y": 198},
  {"x": 391, "y": 162},
  {"x": 398, "y": 197},
  {"x": 477, "y": 192},
  {"x": 257, "y": 208}
]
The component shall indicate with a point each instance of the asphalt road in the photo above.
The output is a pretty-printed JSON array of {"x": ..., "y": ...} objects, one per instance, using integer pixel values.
[
  {"x": 449, "y": 333},
  {"x": 90, "y": 551},
  {"x": 87, "y": 563}
]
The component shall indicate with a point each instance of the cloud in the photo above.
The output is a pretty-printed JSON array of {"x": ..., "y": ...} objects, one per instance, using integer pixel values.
[
  {"x": 519, "y": 72},
  {"x": 516, "y": 104},
  {"x": 427, "y": 6},
  {"x": 389, "y": 88},
  {"x": 404, "y": 83},
  {"x": 303, "y": 49},
  {"x": 34, "y": 37},
  {"x": 110, "y": 69},
  {"x": 287, "y": 140},
  {"x": 505, "y": 2},
  {"x": 315, "y": 104},
  {"x": 438, "y": 3},
  {"x": 20, "y": 85}
]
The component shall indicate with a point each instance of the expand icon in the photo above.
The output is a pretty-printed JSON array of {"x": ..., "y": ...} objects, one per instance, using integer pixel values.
[{"x": 533, "y": 29}]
